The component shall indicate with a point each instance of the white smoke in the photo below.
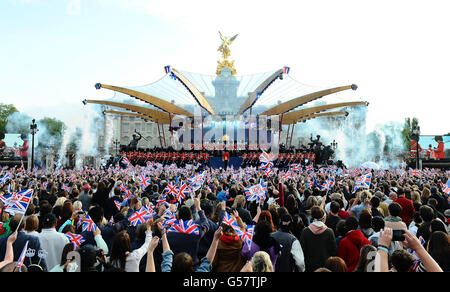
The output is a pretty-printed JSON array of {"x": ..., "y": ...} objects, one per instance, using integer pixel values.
[
  {"x": 108, "y": 132},
  {"x": 386, "y": 146}
]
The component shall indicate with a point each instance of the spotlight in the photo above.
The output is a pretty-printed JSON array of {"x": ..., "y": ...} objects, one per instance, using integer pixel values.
[
  {"x": 346, "y": 114},
  {"x": 104, "y": 112},
  {"x": 84, "y": 102},
  {"x": 98, "y": 86},
  {"x": 354, "y": 86}
]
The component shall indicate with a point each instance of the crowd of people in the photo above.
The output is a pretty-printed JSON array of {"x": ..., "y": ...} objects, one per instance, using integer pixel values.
[{"x": 399, "y": 222}]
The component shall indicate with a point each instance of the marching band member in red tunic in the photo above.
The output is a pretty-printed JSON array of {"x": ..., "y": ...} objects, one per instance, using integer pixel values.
[
  {"x": 24, "y": 149},
  {"x": 439, "y": 152}
]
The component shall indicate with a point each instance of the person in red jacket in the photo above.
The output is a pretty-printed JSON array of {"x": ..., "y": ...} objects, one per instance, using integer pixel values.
[
  {"x": 225, "y": 158},
  {"x": 350, "y": 246},
  {"x": 439, "y": 152},
  {"x": 407, "y": 206},
  {"x": 2, "y": 143},
  {"x": 25, "y": 147}
]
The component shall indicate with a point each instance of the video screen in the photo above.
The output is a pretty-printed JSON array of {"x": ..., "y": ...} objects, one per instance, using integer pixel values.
[{"x": 429, "y": 146}]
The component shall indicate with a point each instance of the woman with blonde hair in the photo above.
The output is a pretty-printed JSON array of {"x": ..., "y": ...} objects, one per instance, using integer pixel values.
[
  {"x": 60, "y": 201},
  {"x": 415, "y": 198},
  {"x": 238, "y": 204},
  {"x": 261, "y": 262},
  {"x": 426, "y": 193}
]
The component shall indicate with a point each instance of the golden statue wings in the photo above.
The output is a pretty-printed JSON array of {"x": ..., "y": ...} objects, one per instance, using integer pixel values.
[{"x": 225, "y": 46}]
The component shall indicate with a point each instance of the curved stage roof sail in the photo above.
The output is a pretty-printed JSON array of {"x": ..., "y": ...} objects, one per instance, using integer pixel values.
[{"x": 222, "y": 94}]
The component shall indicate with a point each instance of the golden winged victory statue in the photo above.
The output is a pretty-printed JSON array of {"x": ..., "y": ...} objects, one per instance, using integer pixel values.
[{"x": 225, "y": 50}]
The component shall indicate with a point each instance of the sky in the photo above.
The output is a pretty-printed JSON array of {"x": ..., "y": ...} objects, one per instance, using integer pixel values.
[{"x": 52, "y": 52}]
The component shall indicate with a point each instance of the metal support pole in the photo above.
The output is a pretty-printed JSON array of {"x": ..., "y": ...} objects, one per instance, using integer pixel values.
[
  {"x": 201, "y": 112},
  {"x": 164, "y": 135},
  {"x": 159, "y": 133},
  {"x": 279, "y": 131},
  {"x": 292, "y": 135},
  {"x": 287, "y": 134},
  {"x": 249, "y": 125}
]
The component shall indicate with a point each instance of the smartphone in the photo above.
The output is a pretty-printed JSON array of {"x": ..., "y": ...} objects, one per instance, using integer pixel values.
[{"x": 397, "y": 235}]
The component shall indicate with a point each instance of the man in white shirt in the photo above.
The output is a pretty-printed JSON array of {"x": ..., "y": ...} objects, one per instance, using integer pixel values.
[{"x": 52, "y": 241}]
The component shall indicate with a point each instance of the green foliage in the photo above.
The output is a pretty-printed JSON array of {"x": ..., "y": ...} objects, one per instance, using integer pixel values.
[
  {"x": 54, "y": 127},
  {"x": 51, "y": 132},
  {"x": 5, "y": 111},
  {"x": 407, "y": 131}
]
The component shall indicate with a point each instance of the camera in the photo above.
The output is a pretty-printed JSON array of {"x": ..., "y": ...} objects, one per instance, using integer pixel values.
[
  {"x": 99, "y": 253},
  {"x": 397, "y": 235}
]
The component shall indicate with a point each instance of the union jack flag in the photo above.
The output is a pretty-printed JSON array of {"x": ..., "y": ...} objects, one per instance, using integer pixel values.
[
  {"x": 44, "y": 185},
  {"x": 168, "y": 222},
  {"x": 286, "y": 70},
  {"x": 415, "y": 172},
  {"x": 65, "y": 188},
  {"x": 150, "y": 208},
  {"x": 196, "y": 181},
  {"x": 5, "y": 198},
  {"x": 126, "y": 162},
  {"x": 186, "y": 227},
  {"x": 295, "y": 167},
  {"x": 256, "y": 192},
  {"x": 22, "y": 257},
  {"x": 446, "y": 188},
  {"x": 167, "y": 69},
  {"x": 171, "y": 189},
  {"x": 309, "y": 167},
  {"x": 285, "y": 177},
  {"x": 268, "y": 171},
  {"x": 18, "y": 203},
  {"x": 246, "y": 236},
  {"x": 168, "y": 214},
  {"x": 161, "y": 201},
  {"x": 76, "y": 239},
  {"x": 140, "y": 216},
  {"x": 183, "y": 191},
  {"x": 118, "y": 204},
  {"x": 331, "y": 182},
  {"x": 230, "y": 222},
  {"x": 5, "y": 178},
  {"x": 88, "y": 224},
  {"x": 363, "y": 181},
  {"x": 144, "y": 181},
  {"x": 266, "y": 159}
]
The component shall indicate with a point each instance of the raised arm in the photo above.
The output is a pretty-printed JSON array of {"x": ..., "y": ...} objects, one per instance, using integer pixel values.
[
  {"x": 9, "y": 256},
  {"x": 413, "y": 243},
  {"x": 382, "y": 256},
  {"x": 150, "y": 267},
  {"x": 213, "y": 247}
]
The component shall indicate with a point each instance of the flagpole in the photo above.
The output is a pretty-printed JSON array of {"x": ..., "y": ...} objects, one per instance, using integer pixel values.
[{"x": 21, "y": 220}]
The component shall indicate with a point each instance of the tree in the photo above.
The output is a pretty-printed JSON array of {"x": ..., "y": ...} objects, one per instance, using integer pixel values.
[
  {"x": 5, "y": 111},
  {"x": 407, "y": 131},
  {"x": 51, "y": 131}
]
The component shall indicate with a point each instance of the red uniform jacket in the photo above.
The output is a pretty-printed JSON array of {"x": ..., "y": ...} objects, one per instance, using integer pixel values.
[
  {"x": 24, "y": 149},
  {"x": 440, "y": 151}
]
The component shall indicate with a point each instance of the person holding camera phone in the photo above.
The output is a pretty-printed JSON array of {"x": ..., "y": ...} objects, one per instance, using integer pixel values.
[{"x": 409, "y": 241}]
